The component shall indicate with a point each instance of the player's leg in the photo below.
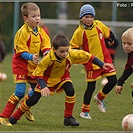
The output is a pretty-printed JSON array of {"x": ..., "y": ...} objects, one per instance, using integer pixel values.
[
  {"x": 86, "y": 101},
  {"x": 70, "y": 99},
  {"x": 25, "y": 106},
  {"x": 99, "y": 98},
  {"x": 12, "y": 103},
  {"x": 28, "y": 114}
]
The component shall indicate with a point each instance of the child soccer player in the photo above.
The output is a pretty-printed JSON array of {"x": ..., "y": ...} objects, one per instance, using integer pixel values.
[
  {"x": 52, "y": 74},
  {"x": 90, "y": 36},
  {"x": 127, "y": 45},
  {"x": 28, "y": 42}
]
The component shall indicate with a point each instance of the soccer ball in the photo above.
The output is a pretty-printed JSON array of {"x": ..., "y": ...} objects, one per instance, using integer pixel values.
[
  {"x": 127, "y": 123},
  {"x": 3, "y": 77},
  {"x": 104, "y": 82}
]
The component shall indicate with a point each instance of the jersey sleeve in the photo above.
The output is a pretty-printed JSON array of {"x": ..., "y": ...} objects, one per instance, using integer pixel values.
[
  {"x": 46, "y": 44},
  {"x": 124, "y": 77},
  {"x": 105, "y": 29},
  {"x": 80, "y": 56},
  {"x": 20, "y": 42},
  {"x": 76, "y": 40}
]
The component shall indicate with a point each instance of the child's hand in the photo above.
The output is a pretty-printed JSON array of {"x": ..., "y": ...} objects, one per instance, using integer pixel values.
[
  {"x": 45, "y": 92},
  {"x": 118, "y": 89},
  {"x": 106, "y": 66},
  {"x": 131, "y": 85},
  {"x": 35, "y": 59},
  {"x": 111, "y": 43},
  {"x": 45, "y": 53}
]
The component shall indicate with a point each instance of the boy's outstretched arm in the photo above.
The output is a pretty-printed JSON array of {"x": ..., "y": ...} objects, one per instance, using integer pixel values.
[
  {"x": 121, "y": 81},
  {"x": 101, "y": 64}
]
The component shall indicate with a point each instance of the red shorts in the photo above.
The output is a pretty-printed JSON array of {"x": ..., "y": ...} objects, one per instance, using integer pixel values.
[
  {"x": 100, "y": 73},
  {"x": 19, "y": 78},
  {"x": 57, "y": 88}
]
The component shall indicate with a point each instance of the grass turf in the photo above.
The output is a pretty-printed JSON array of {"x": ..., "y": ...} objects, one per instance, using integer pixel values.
[{"x": 48, "y": 112}]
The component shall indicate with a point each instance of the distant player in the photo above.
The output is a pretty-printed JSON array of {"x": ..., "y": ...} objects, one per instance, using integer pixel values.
[
  {"x": 29, "y": 40},
  {"x": 90, "y": 36}
]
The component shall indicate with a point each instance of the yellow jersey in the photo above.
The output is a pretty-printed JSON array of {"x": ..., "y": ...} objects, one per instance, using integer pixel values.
[
  {"x": 91, "y": 40},
  {"x": 26, "y": 40},
  {"x": 55, "y": 71}
]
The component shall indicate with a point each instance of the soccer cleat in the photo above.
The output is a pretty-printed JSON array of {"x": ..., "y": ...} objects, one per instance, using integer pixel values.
[
  {"x": 5, "y": 122},
  {"x": 70, "y": 121},
  {"x": 100, "y": 103},
  {"x": 29, "y": 116},
  {"x": 85, "y": 115},
  {"x": 12, "y": 120}
]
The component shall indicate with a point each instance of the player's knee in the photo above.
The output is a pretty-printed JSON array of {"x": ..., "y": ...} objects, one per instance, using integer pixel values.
[
  {"x": 33, "y": 99},
  {"x": 69, "y": 89},
  {"x": 113, "y": 80},
  {"x": 20, "y": 90},
  {"x": 20, "y": 94},
  {"x": 70, "y": 92}
]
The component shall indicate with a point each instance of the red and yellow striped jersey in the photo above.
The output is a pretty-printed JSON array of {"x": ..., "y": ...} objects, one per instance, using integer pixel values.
[
  {"x": 55, "y": 71},
  {"x": 92, "y": 40},
  {"x": 26, "y": 40}
]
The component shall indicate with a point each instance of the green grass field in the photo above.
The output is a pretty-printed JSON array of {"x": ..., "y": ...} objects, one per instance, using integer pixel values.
[{"x": 48, "y": 112}]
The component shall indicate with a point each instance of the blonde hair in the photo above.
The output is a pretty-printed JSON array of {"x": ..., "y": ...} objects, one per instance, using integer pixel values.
[
  {"x": 26, "y": 7},
  {"x": 128, "y": 34}
]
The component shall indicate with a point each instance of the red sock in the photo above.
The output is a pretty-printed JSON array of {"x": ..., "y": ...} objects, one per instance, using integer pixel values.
[
  {"x": 18, "y": 114},
  {"x": 85, "y": 107},
  {"x": 101, "y": 95},
  {"x": 20, "y": 111},
  {"x": 69, "y": 104},
  {"x": 10, "y": 106}
]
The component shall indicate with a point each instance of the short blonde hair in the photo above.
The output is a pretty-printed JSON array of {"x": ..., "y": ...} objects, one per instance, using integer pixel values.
[
  {"x": 128, "y": 34},
  {"x": 26, "y": 7}
]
